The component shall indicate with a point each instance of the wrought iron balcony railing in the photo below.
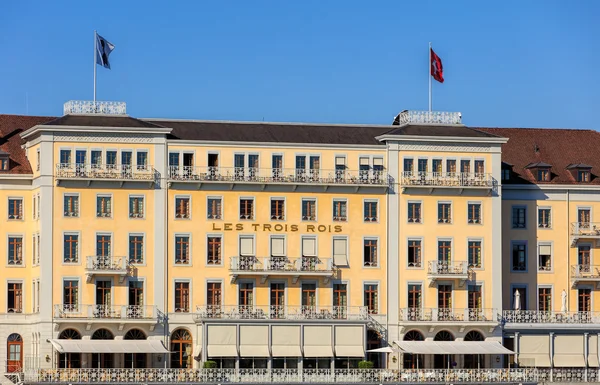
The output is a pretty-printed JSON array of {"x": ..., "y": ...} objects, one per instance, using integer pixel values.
[
  {"x": 447, "y": 179},
  {"x": 105, "y": 172},
  {"x": 443, "y": 268},
  {"x": 448, "y": 315},
  {"x": 273, "y": 312},
  {"x": 80, "y": 107},
  {"x": 105, "y": 311},
  {"x": 428, "y": 117},
  {"x": 248, "y": 264},
  {"x": 111, "y": 264},
  {"x": 585, "y": 272},
  {"x": 586, "y": 229},
  {"x": 550, "y": 317},
  {"x": 298, "y": 376},
  {"x": 277, "y": 175}
]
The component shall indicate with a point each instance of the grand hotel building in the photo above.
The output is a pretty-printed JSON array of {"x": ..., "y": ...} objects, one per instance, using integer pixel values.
[{"x": 153, "y": 243}]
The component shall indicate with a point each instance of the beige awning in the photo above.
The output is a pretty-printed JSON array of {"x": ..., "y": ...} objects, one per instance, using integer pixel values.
[
  {"x": 593, "y": 354},
  {"x": 221, "y": 351},
  {"x": 569, "y": 351},
  {"x": 534, "y": 350},
  {"x": 285, "y": 341},
  {"x": 452, "y": 347},
  {"x": 349, "y": 341},
  {"x": 317, "y": 341},
  {"x": 254, "y": 341},
  {"x": 318, "y": 351},
  {"x": 109, "y": 346},
  {"x": 221, "y": 341}
]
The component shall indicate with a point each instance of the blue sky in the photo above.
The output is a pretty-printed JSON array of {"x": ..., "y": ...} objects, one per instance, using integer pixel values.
[{"x": 511, "y": 63}]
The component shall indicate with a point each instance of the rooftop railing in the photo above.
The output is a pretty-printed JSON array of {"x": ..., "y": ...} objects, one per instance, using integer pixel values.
[
  {"x": 428, "y": 117},
  {"x": 105, "y": 311},
  {"x": 81, "y": 107},
  {"x": 448, "y": 315},
  {"x": 281, "y": 264},
  {"x": 277, "y": 175},
  {"x": 550, "y": 317},
  {"x": 105, "y": 171},
  {"x": 447, "y": 179},
  {"x": 273, "y": 312}
]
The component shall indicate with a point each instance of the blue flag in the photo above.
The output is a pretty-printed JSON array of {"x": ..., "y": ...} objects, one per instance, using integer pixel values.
[{"x": 103, "y": 49}]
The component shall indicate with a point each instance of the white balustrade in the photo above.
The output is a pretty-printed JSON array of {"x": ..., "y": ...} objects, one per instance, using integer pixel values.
[
  {"x": 448, "y": 315},
  {"x": 65, "y": 311},
  {"x": 274, "y": 312},
  {"x": 550, "y": 317},
  {"x": 84, "y": 107},
  {"x": 251, "y": 264},
  {"x": 105, "y": 171},
  {"x": 429, "y": 117},
  {"x": 447, "y": 179}
]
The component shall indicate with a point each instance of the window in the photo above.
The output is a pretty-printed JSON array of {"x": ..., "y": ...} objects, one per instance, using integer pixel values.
[
  {"x": 15, "y": 208},
  {"x": 277, "y": 300},
  {"x": 340, "y": 210},
  {"x": 111, "y": 158},
  {"x": 65, "y": 157},
  {"x": 414, "y": 253},
  {"x": 246, "y": 208},
  {"x": 474, "y": 254},
  {"x": 451, "y": 166},
  {"x": 584, "y": 216},
  {"x": 214, "y": 208},
  {"x": 371, "y": 298},
  {"x": 474, "y": 296},
  {"x": 505, "y": 174},
  {"x": 544, "y": 220},
  {"x": 340, "y": 168},
  {"x": 182, "y": 297},
  {"x": 142, "y": 160},
  {"x": 33, "y": 249},
  {"x": 15, "y": 298},
  {"x": 408, "y": 166},
  {"x": 136, "y": 249},
  {"x": 96, "y": 158},
  {"x": 213, "y": 295},
  {"x": 340, "y": 251},
  {"x": 584, "y": 300},
  {"x": 173, "y": 160},
  {"x": 246, "y": 295},
  {"x": 71, "y": 248},
  {"x": 136, "y": 298},
  {"x": 422, "y": 165},
  {"x": 465, "y": 166},
  {"x": 519, "y": 217},
  {"x": 340, "y": 300},
  {"x": 474, "y": 213},
  {"x": 414, "y": 212},
  {"x": 584, "y": 257},
  {"x": 15, "y": 251},
  {"x": 370, "y": 252},
  {"x": 37, "y": 249},
  {"x": 415, "y": 296},
  {"x": 182, "y": 249},
  {"x": 103, "y": 206},
  {"x": 543, "y": 175},
  {"x": 277, "y": 209},
  {"x": 70, "y": 295},
  {"x": 370, "y": 210},
  {"x": 583, "y": 176},
  {"x": 436, "y": 166},
  {"x": 5, "y": 162},
  {"x": 309, "y": 297},
  {"x": 38, "y": 206},
  {"x": 103, "y": 245},
  {"x": 479, "y": 167},
  {"x": 182, "y": 207},
  {"x": 444, "y": 298},
  {"x": 444, "y": 212},
  {"x": 544, "y": 257},
  {"x": 444, "y": 251},
  {"x": 519, "y": 256},
  {"x": 213, "y": 252},
  {"x": 34, "y": 207},
  {"x": 136, "y": 207},
  {"x": 309, "y": 209},
  {"x": 71, "y": 205},
  {"x": 544, "y": 299}
]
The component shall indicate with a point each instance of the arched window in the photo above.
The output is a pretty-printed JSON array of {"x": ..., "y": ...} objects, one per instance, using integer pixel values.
[
  {"x": 69, "y": 360},
  {"x": 102, "y": 360},
  {"x": 135, "y": 360},
  {"x": 181, "y": 349},
  {"x": 473, "y": 361},
  {"x": 14, "y": 347},
  {"x": 413, "y": 361},
  {"x": 443, "y": 361}
]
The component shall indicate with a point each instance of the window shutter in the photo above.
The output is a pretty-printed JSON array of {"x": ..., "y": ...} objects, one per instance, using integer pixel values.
[
  {"x": 364, "y": 161},
  {"x": 277, "y": 247},
  {"x": 377, "y": 161},
  {"x": 246, "y": 246},
  {"x": 545, "y": 250},
  {"x": 340, "y": 161},
  {"x": 309, "y": 247},
  {"x": 340, "y": 251}
]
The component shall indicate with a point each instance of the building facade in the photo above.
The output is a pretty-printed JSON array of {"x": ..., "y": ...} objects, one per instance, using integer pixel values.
[{"x": 149, "y": 243}]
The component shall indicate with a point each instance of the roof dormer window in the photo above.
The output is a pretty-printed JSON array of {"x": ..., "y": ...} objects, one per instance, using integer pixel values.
[
  {"x": 541, "y": 171},
  {"x": 4, "y": 161},
  {"x": 581, "y": 172},
  {"x": 506, "y": 169},
  {"x": 543, "y": 175},
  {"x": 583, "y": 175}
]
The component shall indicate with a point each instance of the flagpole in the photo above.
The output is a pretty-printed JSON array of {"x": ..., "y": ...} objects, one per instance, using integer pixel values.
[
  {"x": 429, "y": 76},
  {"x": 95, "y": 53}
]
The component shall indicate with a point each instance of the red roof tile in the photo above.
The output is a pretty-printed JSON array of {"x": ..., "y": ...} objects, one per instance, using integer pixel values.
[
  {"x": 557, "y": 147},
  {"x": 11, "y": 126}
]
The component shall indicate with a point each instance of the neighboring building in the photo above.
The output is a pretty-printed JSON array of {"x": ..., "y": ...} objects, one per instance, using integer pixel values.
[{"x": 267, "y": 246}]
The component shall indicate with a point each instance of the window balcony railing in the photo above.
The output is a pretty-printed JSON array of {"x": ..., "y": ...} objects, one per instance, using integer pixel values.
[
  {"x": 105, "y": 172},
  {"x": 448, "y": 315},
  {"x": 585, "y": 229},
  {"x": 447, "y": 179},
  {"x": 274, "y": 312},
  {"x": 281, "y": 265},
  {"x": 277, "y": 176},
  {"x": 105, "y": 311},
  {"x": 301, "y": 376},
  {"x": 585, "y": 273},
  {"x": 550, "y": 317},
  {"x": 448, "y": 269},
  {"x": 106, "y": 265}
]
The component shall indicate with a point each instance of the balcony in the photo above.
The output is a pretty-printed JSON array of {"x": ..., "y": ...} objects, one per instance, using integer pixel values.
[
  {"x": 448, "y": 270},
  {"x": 585, "y": 274},
  {"x": 281, "y": 266},
  {"x": 301, "y": 376},
  {"x": 105, "y": 312},
  {"x": 433, "y": 315},
  {"x": 106, "y": 265},
  {"x": 105, "y": 172},
  {"x": 549, "y": 319},
  {"x": 278, "y": 176},
  {"x": 446, "y": 180},
  {"x": 271, "y": 312},
  {"x": 584, "y": 230}
]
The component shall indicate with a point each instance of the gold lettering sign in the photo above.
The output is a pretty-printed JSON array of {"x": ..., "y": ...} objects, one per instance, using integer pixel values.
[{"x": 276, "y": 228}]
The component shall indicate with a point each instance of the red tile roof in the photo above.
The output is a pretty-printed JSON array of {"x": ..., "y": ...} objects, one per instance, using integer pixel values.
[
  {"x": 11, "y": 126},
  {"x": 559, "y": 148}
]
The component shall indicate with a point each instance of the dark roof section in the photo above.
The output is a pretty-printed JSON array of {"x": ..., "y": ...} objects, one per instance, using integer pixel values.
[
  {"x": 578, "y": 165},
  {"x": 538, "y": 165},
  {"x": 10, "y": 140},
  {"x": 439, "y": 130},
  {"x": 258, "y": 132},
  {"x": 101, "y": 121},
  {"x": 559, "y": 147}
]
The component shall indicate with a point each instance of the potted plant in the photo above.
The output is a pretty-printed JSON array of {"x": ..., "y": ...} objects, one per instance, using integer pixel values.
[
  {"x": 209, "y": 364},
  {"x": 365, "y": 364}
]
